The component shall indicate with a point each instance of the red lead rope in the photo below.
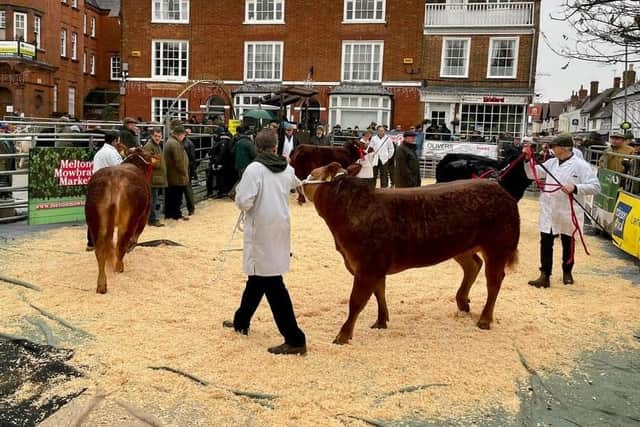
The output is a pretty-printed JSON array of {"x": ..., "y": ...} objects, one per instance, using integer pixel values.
[{"x": 574, "y": 219}]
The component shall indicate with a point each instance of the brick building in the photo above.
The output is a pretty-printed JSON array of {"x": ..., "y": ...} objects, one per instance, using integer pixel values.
[
  {"x": 351, "y": 52},
  {"x": 57, "y": 57},
  {"x": 479, "y": 64}
]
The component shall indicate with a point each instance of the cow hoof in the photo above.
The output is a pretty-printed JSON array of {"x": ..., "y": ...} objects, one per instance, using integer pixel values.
[
  {"x": 341, "y": 340},
  {"x": 464, "y": 306},
  {"x": 379, "y": 325},
  {"x": 101, "y": 290},
  {"x": 484, "y": 324}
]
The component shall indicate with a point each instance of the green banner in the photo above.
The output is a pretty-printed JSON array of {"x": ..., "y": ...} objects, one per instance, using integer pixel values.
[{"x": 58, "y": 180}]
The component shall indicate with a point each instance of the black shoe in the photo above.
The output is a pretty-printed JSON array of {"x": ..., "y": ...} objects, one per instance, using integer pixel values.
[
  {"x": 229, "y": 324},
  {"x": 567, "y": 278},
  {"x": 541, "y": 282},
  {"x": 288, "y": 349}
]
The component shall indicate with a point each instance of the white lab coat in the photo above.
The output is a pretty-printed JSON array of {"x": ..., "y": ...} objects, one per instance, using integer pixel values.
[
  {"x": 366, "y": 163},
  {"x": 264, "y": 197},
  {"x": 106, "y": 156},
  {"x": 383, "y": 149},
  {"x": 555, "y": 209}
]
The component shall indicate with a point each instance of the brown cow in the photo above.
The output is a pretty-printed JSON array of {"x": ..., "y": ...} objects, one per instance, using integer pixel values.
[
  {"x": 118, "y": 198},
  {"x": 386, "y": 231},
  {"x": 306, "y": 157}
]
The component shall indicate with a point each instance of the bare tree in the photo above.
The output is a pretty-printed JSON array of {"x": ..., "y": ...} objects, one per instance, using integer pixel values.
[{"x": 606, "y": 30}]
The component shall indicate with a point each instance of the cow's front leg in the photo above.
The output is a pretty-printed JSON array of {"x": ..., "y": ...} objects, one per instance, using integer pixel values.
[
  {"x": 360, "y": 294},
  {"x": 383, "y": 311}
]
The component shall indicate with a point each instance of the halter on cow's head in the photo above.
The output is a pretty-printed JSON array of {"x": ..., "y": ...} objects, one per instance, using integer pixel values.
[
  {"x": 322, "y": 175},
  {"x": 142, "y": 160}
]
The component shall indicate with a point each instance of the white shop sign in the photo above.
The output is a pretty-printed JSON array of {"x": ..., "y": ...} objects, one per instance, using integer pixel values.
[{"x": 439, "y": 149}]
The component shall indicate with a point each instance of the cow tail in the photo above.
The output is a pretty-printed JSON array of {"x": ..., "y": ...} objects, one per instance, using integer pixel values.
[
  {"x": 512, "y": 260},
  {"x": 110, "y": 247}
]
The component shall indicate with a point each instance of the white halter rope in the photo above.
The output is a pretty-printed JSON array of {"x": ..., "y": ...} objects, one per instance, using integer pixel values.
[{"x": 315, "y": 181}]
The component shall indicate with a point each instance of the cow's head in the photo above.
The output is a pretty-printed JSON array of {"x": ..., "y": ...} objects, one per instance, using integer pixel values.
[
  {"x": 142, "y": 160},
  {"x": 320, "y": 176}
]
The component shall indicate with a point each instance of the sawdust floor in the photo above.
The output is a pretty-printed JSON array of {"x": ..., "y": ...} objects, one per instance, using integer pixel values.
[{"x": 432, "y": 362}]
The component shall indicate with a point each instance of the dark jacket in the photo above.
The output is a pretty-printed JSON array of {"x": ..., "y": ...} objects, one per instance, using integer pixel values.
[
  {"x": 190, "y": 149},
  {"x": 244, "y": 153},
  {"x": 177, "y": 164},
  {"x": 129, "y": 138},
  {"x": 159, "y": 177},
  {"x": 407, "y": 170},
  {"x": 296, "y": 142},
  {"x": 319, "y": 141}
]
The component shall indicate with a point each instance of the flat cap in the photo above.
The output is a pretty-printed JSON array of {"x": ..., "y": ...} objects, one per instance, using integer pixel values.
[{"x": 564, "y": 140}]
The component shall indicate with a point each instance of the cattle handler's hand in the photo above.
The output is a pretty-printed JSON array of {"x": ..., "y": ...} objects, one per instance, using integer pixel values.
[
  {"x": 569, "y": 188},
  {"x": 528, "y": 152}
]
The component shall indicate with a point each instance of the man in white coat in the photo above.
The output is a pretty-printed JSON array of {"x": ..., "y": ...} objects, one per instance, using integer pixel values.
[
  {"x": 578, "y": 178},
  {"x": 263, "y": 196},
  {"x": 384, "y": 149}
]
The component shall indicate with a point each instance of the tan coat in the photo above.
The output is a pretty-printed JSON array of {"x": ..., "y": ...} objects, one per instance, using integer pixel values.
[
  {"x": 614, "y": 163},
  {"x": 176, "y": 162}
]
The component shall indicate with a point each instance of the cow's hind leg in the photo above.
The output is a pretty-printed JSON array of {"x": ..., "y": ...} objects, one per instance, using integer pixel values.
[
  {"x": 494, "y": 272},
  {"x": 383, "y": 311},
  {"x": 124, "y": 237},
  {"x": 101, "y": 256},
  {"x": 363, "y": 287},
  {"x": 471, "y": 265}
]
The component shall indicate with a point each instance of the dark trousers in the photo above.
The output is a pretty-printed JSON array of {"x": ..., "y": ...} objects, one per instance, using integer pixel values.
[
  {"x": 188, "y": 197},
  {"x": 546, "y": 252},
  {"x": 280, "y": 303},
  {"x": 383, "y": 171},
  {"x": 155, "y": 196},
  {"x": 173, "y": 201},
  {"x": 391, "y": 167}
]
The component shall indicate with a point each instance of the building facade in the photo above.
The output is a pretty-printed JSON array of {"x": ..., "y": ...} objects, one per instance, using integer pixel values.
[
  {"x": 479, "y": 63},
  {"x": 55, "y": 55}
]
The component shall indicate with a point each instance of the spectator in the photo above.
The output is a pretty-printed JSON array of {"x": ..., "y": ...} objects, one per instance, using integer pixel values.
[
  {"x": 289, "y": 141},
  {"x": 177, "y": 165},
  {"x": 190, "y": 150},
  {"x": 618, "y": 146},
  {"x": 445, "y": 133},
  {"x": 319, "y": 138},
  {"x": 578, "y": 179},
  {"x": 407, "y": 168},
  {"x": 476, "y": 137},
  {"x": 129, "y": 133},
  {"x": 384, "y": 150},
  {"x": 244, "y": 151},
  {"x": 159, "y": 177},
  {"x": 263, "y": 196},
  {"x": 431, "y": 133}
]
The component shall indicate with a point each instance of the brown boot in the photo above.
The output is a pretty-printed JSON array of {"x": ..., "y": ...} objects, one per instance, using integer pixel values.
[
  {"x": 567, "y": 278},
  {"x": 541, "y": 282}
]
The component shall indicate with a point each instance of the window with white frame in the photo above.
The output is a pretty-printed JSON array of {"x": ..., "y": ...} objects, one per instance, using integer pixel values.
[
  {"x": 264, "y": 11},
  {"x": 37, "y": 29},
  {"x": 74, "y": 3},
  {"x": 84, "y": 62},
  {"x": 492, "y": 119},
  {"x": 170, "y": 59},
  {"x": 93, "y": 26},
  {"x": 3, "y": 25},
  {"x": 63, "y": 43},
  {"x": 74, "y": 45},
  {"x": 250, "y": 101},
  {"x": 92, "y": 65},
  {"x": 20, "y": 26},
  {"x": 455, "y": 57},
  {"x": 54, "y": 98},
  {"x": 160, "y": 107},
  {"x": 359, "y": 110},
  {"x": 362, "y": 61},
  {"x": 115, "y": 68},
  {"x": 71, "y": 107},
  {"x": 263, "y": 61},
  {"x": 503, "y": 57},
  {"x": 364, "y": 10},
  {"x": 175, "y": 11}
]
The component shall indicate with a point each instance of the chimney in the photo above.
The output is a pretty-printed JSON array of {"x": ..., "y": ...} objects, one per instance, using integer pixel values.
[
  {"x": 629, "y": 76},
  {"x": 582, "y": 93},
  {"x": 574, "y": 99},
  {"x": 616, "y": 82},
  {"x": 593, "y": 92}
]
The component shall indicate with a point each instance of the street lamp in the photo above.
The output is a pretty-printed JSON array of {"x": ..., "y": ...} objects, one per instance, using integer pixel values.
[{"x": 124, "y": 75}]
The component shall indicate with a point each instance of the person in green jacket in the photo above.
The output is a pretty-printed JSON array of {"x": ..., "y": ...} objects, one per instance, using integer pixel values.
[
  {"x": 407, "y": 170},
  {"x": 244, "y": 151},
  {"x": 159, "y": 177},
  {"x": 177, "y": 172}
]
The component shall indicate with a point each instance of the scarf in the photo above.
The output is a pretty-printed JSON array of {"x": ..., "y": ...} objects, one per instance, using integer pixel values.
[{"x": 272, "y": 161}]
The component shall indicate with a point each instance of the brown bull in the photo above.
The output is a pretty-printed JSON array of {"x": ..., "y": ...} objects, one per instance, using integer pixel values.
[
  {"x": 386, "y": 231},
  {"x": 118, "y": 200},
  {"x": 306, "y": 158}
]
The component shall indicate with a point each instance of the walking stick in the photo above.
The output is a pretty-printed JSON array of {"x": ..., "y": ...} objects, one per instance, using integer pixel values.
[{"x": 544, "y": 168}]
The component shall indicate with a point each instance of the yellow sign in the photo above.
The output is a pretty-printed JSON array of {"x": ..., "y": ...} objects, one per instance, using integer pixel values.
[
  {"x": 233, "y": 125},
  {"x": 626, "y": 223}
]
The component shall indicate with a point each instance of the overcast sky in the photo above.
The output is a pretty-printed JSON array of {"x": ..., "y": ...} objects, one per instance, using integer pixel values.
[{"x": 554, "y": 83}]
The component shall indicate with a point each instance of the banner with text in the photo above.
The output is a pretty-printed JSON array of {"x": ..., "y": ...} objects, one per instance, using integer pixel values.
[
  {"x": 58, "y": 180},
  {"x": 439, "y": 149}
]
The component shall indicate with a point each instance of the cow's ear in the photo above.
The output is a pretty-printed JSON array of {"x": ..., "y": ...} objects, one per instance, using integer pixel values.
[{"x": 332, "y": 169}]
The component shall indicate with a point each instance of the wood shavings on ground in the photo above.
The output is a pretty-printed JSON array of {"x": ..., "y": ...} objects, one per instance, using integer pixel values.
[{"x": 167, "y": 308}]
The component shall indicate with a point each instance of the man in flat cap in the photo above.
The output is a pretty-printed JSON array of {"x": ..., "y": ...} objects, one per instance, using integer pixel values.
[
  {"x": 619, "y": 145},
  {"x": 578, "y": 179},
  {"x": 407, "y": 170},
  {"x": 129, "y": 133}
]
